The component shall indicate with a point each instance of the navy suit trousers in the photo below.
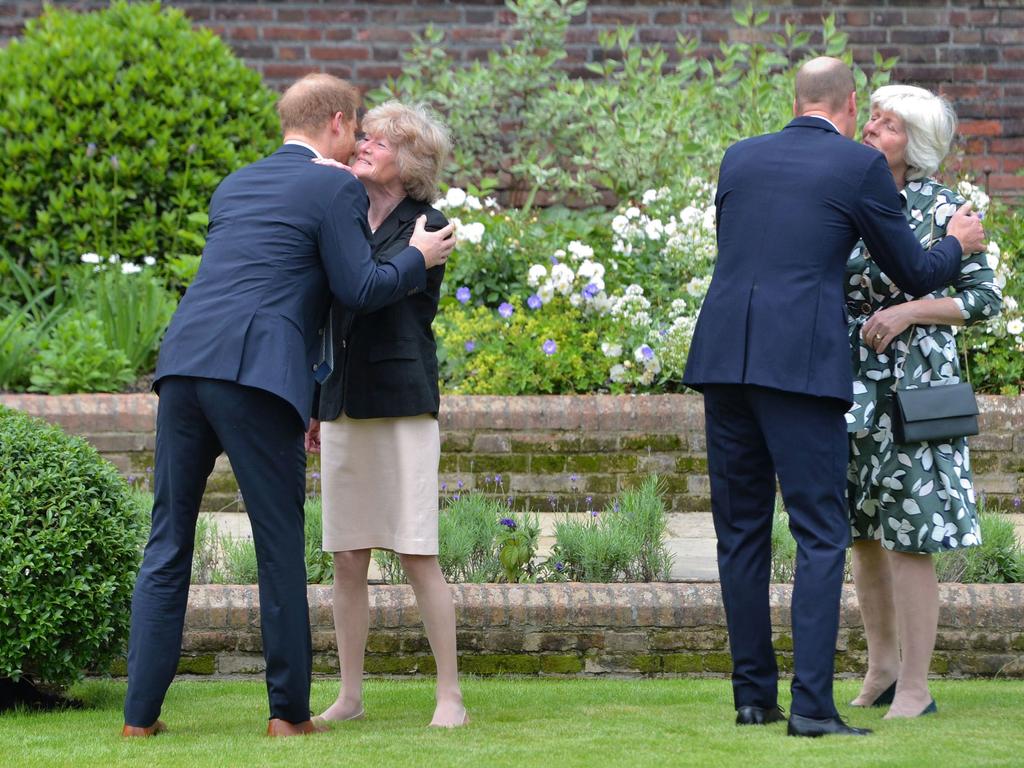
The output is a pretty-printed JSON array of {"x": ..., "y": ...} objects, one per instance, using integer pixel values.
[
  {"x": 198, "y": 419},
  {"x": 755, "y": 434}
]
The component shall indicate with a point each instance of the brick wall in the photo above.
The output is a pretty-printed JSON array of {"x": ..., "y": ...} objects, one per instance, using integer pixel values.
[
  {"x": 555, "y": 447},
  {"x": 591, "y": 629},
  {"x": 972, "y": 50}
]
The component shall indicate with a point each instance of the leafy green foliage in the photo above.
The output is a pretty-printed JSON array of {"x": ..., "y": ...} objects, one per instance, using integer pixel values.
[
  {"x": 69, "y": 549},
  {"x": 625, "y": 542},
  {"x": 999, "y": 559},
  {"x": 642, "y": 123},
  {"x": 516, "y": 544},
  {"x": 75, "y": 357},
  {"x": 116, "y": 126}
]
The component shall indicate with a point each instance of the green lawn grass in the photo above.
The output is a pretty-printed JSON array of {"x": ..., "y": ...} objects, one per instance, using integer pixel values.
[{"x": 518, "y": 722}]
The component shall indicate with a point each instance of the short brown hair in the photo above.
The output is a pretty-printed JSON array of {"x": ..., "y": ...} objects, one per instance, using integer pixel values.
[
  {"x": 421, "y": 143},
  {"x": 309, "y": 104},
  {"x": 824, "y": 80}
]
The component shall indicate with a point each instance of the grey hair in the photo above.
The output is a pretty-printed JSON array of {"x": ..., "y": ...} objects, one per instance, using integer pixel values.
[
  {"x": 930, "y": 123},
  {"x": 421, "y": 143}
]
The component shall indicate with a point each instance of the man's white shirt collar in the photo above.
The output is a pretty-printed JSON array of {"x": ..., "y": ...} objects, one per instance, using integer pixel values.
[
  {"x": 819, "y": 117},
  {"x": 307, "y": 146}
]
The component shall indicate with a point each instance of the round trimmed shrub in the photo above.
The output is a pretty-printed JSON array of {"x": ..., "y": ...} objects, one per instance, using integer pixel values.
[
  {"x": 116, "y": 127},
  {"x": 69, "y": 551}
]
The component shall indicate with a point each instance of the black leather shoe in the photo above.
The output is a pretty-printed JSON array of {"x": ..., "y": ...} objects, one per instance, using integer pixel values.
[
  {"x": 749, "y": 715},
  {"x": 812, "y": 727}
]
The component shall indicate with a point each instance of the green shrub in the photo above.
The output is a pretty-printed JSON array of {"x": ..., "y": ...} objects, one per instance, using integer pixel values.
[
  {"x": 75, "y": 357},
  {"x": 319, "y": 564},
  {"x": 625, "y": 542},
  {"x": 642, "y": 123},
  {"x": 69, "y": 549},
  {"x": 516, "y": 546},
  {"x": 116, "y": 126},
  {"x": 22, "y": 328}
]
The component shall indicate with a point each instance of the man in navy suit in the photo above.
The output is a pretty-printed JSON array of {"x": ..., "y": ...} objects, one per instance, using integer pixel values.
[
  {"x": 770, "y": 353},
  {"x": 235, "y": 375}
]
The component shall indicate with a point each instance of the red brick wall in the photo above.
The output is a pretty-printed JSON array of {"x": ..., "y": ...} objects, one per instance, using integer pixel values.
[{"x": 972, "y": 50}]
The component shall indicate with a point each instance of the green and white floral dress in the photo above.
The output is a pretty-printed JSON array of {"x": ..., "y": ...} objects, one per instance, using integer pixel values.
[{"x": 917, "y": 497}]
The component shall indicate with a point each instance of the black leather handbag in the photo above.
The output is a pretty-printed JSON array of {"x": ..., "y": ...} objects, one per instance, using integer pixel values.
[{"x": 935, "y": 413}]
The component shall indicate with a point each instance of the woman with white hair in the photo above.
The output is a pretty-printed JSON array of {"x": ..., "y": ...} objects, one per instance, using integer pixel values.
[
  {"x": 380, "y": 444},
  {"x": 907, "y": 501}
]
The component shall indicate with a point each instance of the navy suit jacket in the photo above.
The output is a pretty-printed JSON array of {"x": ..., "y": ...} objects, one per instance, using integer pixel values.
[
  {"x": 790, "y": 207},
  {"x": 284, "y": 234}
]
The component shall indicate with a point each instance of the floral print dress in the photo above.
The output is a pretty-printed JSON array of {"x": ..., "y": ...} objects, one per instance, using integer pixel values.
[{"x": 911, "y": 497}]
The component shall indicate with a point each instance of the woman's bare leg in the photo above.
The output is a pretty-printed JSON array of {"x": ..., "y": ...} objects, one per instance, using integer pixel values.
[
  {"x": 917, "y": 616},
  {"x": 351, "y": 625},
  {"x": 438, "y": 611},
  {"x": 873, "y": 580}
]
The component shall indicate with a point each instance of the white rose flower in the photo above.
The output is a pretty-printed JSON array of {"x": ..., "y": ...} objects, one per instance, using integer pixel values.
[
  {"x": 473, "y": 203},
  {"x": 1015, "y": 327},
  {"x": 690, "y": 215},
  {"x": 149, "y": 261},
  {"x": 562, "y": 273},
  {"x": 654, "y": 229},
  {"x": 90, "y": 258},
  {"x": 546, "y": 292},
  {"x": 647, "y": 377},
  {"x": 649, "y": 196},
  {"x": 580, "y": 250},
  {"x": 992, "y": 254},
  {"x": 490, "y": 202},
  {"x": 1009, "y": 304},
  {"x": 455, "y": 197},
  {"x": 537, "y": 273},
  {"x": 575, "y": 299},
  {"x": 617, "y": 373},
  {"x": 632, "y": 212},
  {"x": 473, "y": 232},
  {"x": 130, "y": 269},
  {"x": 611, "y": 350}
]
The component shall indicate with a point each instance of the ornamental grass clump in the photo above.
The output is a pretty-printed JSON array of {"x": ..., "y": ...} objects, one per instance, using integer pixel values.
[
  {"x": 625, "y": 542},
  {"x": 70, "y": 536}
]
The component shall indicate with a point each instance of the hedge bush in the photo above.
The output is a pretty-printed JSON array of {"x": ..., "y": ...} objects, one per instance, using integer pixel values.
[
  {"x": 69, "y": 551},
  {"x": 116, "y": 127}
]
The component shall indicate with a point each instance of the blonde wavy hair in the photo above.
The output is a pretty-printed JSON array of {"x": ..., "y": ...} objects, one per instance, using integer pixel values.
[{"x": 421, "y": 143}]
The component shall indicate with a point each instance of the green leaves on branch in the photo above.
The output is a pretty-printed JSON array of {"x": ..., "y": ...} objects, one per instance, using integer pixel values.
[{"x": 643, "y": 119}]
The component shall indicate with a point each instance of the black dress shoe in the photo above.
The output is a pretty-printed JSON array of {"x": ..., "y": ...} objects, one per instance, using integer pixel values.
[
  {"x": 748, "y": 715},
  {"x": 812, "y": 727}
]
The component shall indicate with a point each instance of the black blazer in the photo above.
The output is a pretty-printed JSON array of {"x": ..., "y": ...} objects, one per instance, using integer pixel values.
[
  {"x": 385, "y": 362},
  {"x": 790, "y": 207},
  {"x": 284, "y": 234}
]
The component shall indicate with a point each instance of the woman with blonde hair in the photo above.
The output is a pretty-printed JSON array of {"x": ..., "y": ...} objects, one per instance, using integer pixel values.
[{"x": 380, "y": 443}]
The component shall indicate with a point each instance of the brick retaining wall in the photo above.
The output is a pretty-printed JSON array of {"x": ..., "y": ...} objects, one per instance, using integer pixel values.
[
  {"x": 561, "y": 448},
  {"x": 590, "y": 629},
  {"x": 972, "y": 50}
]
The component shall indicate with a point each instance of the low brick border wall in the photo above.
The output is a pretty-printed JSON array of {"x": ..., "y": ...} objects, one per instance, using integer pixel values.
[
  {"x": 590, "y": 629},
  {"x": 550, "y": 451}
]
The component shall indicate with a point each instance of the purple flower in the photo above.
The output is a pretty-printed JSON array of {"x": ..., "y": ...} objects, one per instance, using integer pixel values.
[
  {"x": 463, "y": 295},
  {"x": 470, "y": 345},
  {"x": 191, "y": 149},
  {"x": 90, "y": 150},
  {"x": 554, "y": 259},
  {"x": 316, "y": 475},
  {"x": 615, "y": 506},
  {"x": 594, "y": 513},
  {"x": 497, "y": 479},
  {"x": 559, "y": 567},
  {"x": 534, "y": 302},
  {"x": 647, "y": 352},
  {"x": 508, "y": 522},
  {"x": 589, "y": 291},
  {"x": 589, "y": 499},
  {"x": 573, "y": 479},
  {"x": 549, "y": 347},
  {"x": 455, "y": 496},
  {"x": 444, "y": 486},
  {"x": 506, "y": 310},
  {"x": 508, "y": 502},
  {"x": 1016, "y": 501},
  {"x": 115, "y": 163},
  {"x": 460, "y": 484}
]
